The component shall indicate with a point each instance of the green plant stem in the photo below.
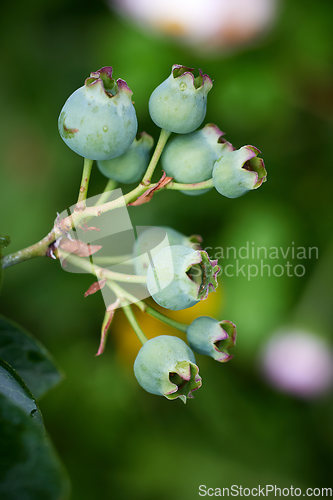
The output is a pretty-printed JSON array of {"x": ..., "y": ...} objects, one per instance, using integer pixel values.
[
  {"x": 124, "y": 260},
  {"x": 100, "y": 272},
  {"x": 190, "y": 187},
  {"x": 39, "y": 249},
  {"x": 134, "y": 324},
  {"x": 165, "y": 319},
  {"x": 123, "y": 294},
  {"x": 164, "y": 136},
  {"x": 110, "y": 185},
  {"x": 87, "y": 166},
  {"x": 138, "y": 191}
]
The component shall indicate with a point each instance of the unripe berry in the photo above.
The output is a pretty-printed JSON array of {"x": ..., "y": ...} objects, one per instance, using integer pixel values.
[
  {"x": 238, "y": 172},
  {"x": 130, "y": 166},
  {"x": 212, "y": 337},
  {"x": 190, "y": 158},
  {"x": 98, "y": 121},
  {"x": 179, "y": 277},
  {"x": 179, "y": 103},
  {"x": 153, "y": 239},
  {"x": 165, "y": 366}
]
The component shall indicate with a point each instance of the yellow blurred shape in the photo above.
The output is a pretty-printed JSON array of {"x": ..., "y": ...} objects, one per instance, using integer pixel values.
[{"x": 208, "y": 307}]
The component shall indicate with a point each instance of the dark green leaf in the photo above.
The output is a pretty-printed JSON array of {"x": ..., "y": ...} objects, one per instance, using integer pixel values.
[
  {"x": 29, "y": 468},
  {"x": 13, "y": 387},
  {"x": 28, "y": 357}
]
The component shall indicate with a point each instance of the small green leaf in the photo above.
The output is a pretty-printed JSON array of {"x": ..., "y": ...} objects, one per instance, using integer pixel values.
[
  {"x": 28, "y": 357},
  {"x": 29, "y": 467}
]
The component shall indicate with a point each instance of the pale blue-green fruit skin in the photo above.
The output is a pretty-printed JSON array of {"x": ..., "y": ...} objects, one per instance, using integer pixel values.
[
  {"x": 97, "y": 126},
  {"x": 202, "y": 333},
  {"x": 190, "y": 158},
  {"x": 150, "y": 238},
  {"x": 158, "y": 358},
  {"x": 177, "y": 106},
  {"x": 230, "y": 179},
  {"x": 130, "y": 166},
  {"x": 167, "y": 281}
]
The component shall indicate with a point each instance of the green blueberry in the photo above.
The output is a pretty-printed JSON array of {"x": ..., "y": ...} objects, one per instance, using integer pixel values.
[
  {"x": 238, "y": 172},
  {"x": 98, "y": 121},
  {"x": 153, "y": 239},
  {"x": 179, "y": 277},
  {"x": 130, "y": 166},
  {"x": 190, "y": 158},
  {"x": 179, "y": 103},
  {"x": 166, "y": 366},
  {"x": 212, "y": 337}
]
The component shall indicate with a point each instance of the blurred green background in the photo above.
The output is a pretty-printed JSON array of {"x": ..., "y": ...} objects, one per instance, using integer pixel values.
[{"x": 115, "y": 440}]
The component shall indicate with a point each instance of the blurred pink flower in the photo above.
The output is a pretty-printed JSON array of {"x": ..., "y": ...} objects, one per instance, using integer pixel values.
[
  {"x": 299, "y": 363},
  {"x": 204, "y": 23}
]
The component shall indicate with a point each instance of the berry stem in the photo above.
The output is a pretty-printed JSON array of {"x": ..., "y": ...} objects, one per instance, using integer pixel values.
[
  {"x": 110, "y": 185},
  {"x": 123, "y": 294},
  {"x": 87, "y": 166},
  {"x": 164, "y": 136},
  {"x": 124, "y": 260},
  {"x": 165, "y": 319},
  {"x": 40, "y": 248},
  {"x": 190, "y": 187},
  {"x": 138, "y": 191},
  {"x": 100, "y": 272},
  {"x": 134, "y": 324}
]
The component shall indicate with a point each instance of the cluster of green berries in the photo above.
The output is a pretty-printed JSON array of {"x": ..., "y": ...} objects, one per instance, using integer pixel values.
[
  {"x": 179, "y": 275},
  {"x": 99, "y": 122},
  {"x": 166, "y": 365}
]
